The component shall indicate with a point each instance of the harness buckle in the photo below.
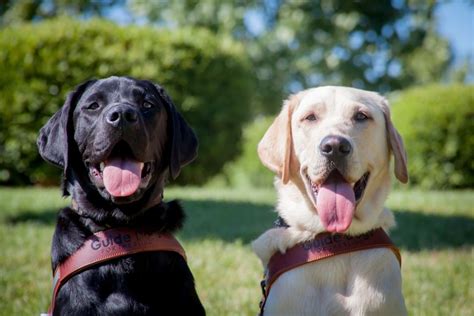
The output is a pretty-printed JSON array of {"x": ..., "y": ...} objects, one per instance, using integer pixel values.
[{"x": 263, "y": 286}]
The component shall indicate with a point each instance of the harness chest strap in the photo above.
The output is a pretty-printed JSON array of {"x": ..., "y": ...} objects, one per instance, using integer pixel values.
[
  {"x": 107, "y": 245},
  {"x": 325, "y": 245}
]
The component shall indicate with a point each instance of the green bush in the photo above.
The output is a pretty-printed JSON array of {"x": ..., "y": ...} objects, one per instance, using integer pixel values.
[
  {"x": 437, "y": 124},
  {"x": 247, "y": 170},
  {"x": 208, "y": 77}
]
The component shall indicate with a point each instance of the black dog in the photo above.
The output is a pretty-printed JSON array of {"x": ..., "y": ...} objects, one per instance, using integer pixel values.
[{"x": 118, "y": 139}]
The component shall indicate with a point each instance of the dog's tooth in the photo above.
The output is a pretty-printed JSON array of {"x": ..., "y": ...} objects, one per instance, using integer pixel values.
[{"x": 102, "y": 166}]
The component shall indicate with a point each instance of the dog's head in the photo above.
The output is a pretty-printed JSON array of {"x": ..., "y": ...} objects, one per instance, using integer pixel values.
[
  {"x": 335, "y": 144},
  {"x": 118, "y": 138}
]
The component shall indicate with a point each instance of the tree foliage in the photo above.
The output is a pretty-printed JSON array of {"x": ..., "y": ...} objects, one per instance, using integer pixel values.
[
  {"x": 378, "y": 45},
  {"x": 381, "y": 45},
  {"x": 17, "y": 11}
]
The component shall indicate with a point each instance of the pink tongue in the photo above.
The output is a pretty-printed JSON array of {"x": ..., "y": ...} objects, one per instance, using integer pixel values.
[
  {"x": 336, "y": 203},
  {"x": 122, "y": 176}
]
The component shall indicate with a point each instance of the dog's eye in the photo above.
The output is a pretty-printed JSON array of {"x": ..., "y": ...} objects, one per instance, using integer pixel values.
[
  {"x": 93, "y": 106},
  {"x": 360, "y": 117},
  {"x": 148, "y": 105},
  {"x": 311, "y": 117}
]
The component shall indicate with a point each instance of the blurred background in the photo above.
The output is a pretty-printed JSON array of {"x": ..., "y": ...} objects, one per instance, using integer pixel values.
[{"x": 228, "y": 66}]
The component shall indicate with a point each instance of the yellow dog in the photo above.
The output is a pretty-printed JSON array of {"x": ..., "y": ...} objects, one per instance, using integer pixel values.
[{"x": 331, "y": 148}]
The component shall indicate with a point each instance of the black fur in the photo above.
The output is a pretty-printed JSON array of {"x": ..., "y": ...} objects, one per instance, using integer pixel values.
[{"x": 77, "y": 138}]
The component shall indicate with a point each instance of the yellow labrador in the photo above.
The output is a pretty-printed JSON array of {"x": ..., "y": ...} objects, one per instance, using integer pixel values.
[{"x": 331, "y": 147}]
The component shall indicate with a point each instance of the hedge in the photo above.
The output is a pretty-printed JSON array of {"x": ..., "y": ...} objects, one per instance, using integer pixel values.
[
  {"x": 437, "y": 124},
  {"x": 247, "y": 170},
  {"x": 208, "y": 77}
]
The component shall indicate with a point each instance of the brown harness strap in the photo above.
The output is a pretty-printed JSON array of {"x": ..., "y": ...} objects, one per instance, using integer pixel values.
[
  {"x": 107, "y": 245},
  {"x": 325, "y": 245}
]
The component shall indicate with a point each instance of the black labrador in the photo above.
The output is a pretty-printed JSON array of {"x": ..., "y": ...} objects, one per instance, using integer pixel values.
[{"x": 118, "y": 140}]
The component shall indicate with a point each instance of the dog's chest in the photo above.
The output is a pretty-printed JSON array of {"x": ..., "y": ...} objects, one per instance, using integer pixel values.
[
  {"x": 138, "y": 280},
  {"x": 348, "y": 284},
  {"x": 139, "y": 269}
]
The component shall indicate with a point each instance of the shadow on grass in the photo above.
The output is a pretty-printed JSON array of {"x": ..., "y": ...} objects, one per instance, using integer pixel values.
[
  {"x": 417, "y": 231},
  {"x": 41, "y": 217},
  {"x": 232, "y": 221},
  {"x": 228, "y": 221}
]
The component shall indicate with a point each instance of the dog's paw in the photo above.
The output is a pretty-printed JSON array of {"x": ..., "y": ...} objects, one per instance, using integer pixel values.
[
  {"x": 291, "y": 237},
  {"x": 268, "y": 243}
]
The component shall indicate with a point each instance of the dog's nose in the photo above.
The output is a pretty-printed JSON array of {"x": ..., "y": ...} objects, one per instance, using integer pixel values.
[
  {"x": 335, "y": 147},
  {"x": 121, "y": 115}
]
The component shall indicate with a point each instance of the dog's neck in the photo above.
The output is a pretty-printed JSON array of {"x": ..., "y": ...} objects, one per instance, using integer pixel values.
[
  {"x": 99, "y": 216},
  {"x": 89, "y": 203},
  {"x": 297, "y": 210},
  {"x": 166, "y": 217}
]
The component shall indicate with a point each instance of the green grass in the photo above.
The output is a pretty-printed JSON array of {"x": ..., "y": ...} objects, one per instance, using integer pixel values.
[{"x": 435, "y": 233}]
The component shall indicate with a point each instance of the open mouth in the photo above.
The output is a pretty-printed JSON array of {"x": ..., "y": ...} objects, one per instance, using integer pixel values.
[
  {"x": 358, "y": 187},
  {"x": 336, "y": 199},
  {"x": 121, "y": 173}
]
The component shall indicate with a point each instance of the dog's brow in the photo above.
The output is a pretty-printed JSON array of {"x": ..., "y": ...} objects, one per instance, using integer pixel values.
[
  {"x": 96, "y": 96},
  {"x": 314, "y": 105},
  {"x": 317, "y": 104},
  {"x": 357, "y": 106},
  {"x": 138, "y": 92}
]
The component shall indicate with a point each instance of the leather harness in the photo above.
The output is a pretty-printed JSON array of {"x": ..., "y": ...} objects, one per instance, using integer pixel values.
[
  {"x": 324, "y": 245},
  {"x": 108, "y": 245}
]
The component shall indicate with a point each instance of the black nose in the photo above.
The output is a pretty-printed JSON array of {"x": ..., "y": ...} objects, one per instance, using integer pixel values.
[
  {"x": 335, "y": 147},
  {"x": 121, "y": 115}
]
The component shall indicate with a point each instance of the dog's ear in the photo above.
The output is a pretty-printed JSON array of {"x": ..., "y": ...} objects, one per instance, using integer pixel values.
[
  {"x": 54, "y": 137},
  {"x": 396, "y": 145},
  {"x": 183, "y": 140},
  {"x": 275, "y": 148}
]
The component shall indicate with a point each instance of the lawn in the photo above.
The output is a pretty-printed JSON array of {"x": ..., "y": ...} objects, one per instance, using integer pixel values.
[{"x": 435, "y": 233}]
